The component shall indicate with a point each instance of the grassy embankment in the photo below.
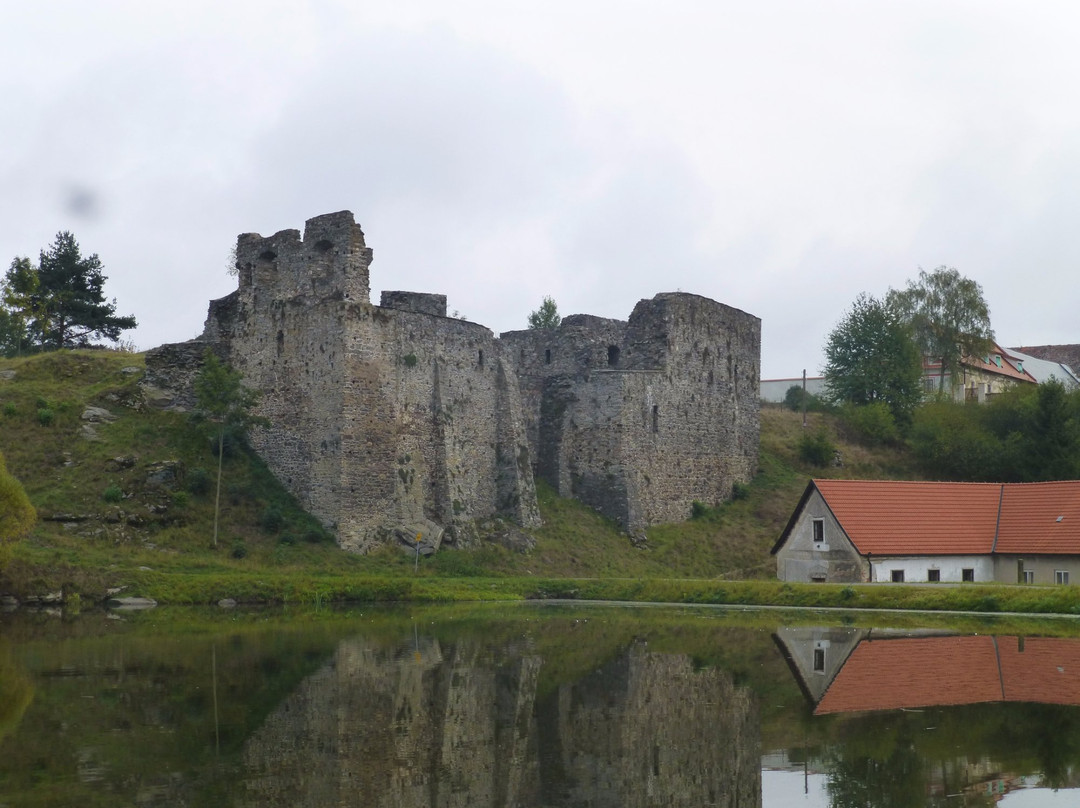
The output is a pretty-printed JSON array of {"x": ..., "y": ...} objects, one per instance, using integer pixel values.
[{"x": 111, "y": 517}]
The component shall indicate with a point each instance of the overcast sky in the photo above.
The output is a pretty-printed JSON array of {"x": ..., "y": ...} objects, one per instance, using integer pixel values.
[{"x": 780, "y": 156}]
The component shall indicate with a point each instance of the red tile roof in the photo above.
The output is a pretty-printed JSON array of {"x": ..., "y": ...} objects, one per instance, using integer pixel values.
[
  {"x": 1029, "y": 519},
  {"x": 886, "y": 517},
  {"x": 895, "y": 674},
  {"x": 1007, "y": 369},
  {"x": 896, "y": 518}
]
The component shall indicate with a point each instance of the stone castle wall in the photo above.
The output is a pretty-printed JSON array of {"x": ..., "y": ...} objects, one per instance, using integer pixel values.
[
  {"x": 395, "y": 420},
  {"x": 384, "y": 420},
  {"x": 640, "y": 419}
]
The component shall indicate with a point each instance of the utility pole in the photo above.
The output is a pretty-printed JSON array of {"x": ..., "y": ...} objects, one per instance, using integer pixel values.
[{"x": 804, "y": 398}]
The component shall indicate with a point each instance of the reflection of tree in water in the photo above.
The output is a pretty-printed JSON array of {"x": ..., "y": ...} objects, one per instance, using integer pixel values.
[
  {"x": 16, "y": 692},
  {"x": 1047, "y": 735},
  {"x": 889, "y": 776},
  {"x": 901, "y": 759}
]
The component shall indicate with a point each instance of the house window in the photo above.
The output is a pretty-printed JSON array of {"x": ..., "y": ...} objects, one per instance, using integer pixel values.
[
  {"x": 1061, "y": 576},
  {"x": 967, "y": 574},
  {"x": 817, "y": 579},
  {"x": 897, "y": 576},
  {"x": 819, "y": 531},
  {"x": 819, "y": 660},
  {"x": 933, "y": 575},
  {"x": 1029, "y": 576}
]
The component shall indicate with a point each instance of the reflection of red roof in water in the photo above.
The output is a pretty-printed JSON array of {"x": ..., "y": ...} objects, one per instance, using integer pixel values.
[
  {"x": 894, "y": 674},
  {"x": 1047, "y": 670}
]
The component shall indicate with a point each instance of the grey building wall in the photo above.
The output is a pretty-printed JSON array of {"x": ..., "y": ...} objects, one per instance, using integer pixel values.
[
  {"x": 836, "y": 562},
  {"x": 1044, "y": 568}
]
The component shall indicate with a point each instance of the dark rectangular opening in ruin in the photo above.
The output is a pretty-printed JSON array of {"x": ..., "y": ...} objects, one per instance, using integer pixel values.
[
  {"x": 547, "y": 356},
  {"x": 613, "y": 356},
  {"x": 656, "y": 418},
  {"x": 480, "y": 359}
]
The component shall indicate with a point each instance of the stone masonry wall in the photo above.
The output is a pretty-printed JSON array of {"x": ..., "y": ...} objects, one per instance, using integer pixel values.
[
  {"x": 640, "y": 419},
  {"x": 383, "y": 421},
  {"x": 397, "y": 421}
]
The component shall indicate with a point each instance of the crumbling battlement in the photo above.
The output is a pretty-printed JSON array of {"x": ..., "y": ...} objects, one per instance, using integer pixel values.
[{"x": 397, "y": 421}]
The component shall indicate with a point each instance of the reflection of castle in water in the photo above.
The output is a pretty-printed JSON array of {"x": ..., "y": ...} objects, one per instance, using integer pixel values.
[
  {"x": 845, "y": 670},
  {"x": 459, "y": 725}
]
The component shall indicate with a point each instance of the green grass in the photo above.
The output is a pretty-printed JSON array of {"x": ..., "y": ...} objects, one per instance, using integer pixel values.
[{"x": 105, "y": 525}]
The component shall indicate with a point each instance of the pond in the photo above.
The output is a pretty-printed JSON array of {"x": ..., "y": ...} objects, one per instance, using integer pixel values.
[{"x": 536, "y": 705}]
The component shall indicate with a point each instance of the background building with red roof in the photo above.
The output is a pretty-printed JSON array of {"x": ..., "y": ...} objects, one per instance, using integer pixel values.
[{"x": 981, "y": 377}]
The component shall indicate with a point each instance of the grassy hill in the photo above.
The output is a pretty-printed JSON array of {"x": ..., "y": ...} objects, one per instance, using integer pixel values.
[{"x": 125, "y": 496}]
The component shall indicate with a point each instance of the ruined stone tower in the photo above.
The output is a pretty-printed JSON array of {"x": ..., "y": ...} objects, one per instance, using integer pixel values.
[
  {"x": 396, "y": 420},
  {"x": 639, "y": 419}
]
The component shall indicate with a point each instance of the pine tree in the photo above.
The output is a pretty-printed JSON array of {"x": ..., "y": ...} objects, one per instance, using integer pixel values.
[{"x": 61, "y": 301}]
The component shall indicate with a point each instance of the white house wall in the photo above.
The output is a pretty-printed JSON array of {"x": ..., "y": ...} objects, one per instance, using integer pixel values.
[
  {"x": 950, "y": 568},
  {"x": 774, "y": 390}
]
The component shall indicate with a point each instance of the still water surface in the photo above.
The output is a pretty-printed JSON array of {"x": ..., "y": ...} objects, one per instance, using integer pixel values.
[{"x": 534, "y": 706}]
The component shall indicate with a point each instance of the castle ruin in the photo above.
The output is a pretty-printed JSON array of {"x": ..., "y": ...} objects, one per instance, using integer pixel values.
[{"x": 396, "y": 420}]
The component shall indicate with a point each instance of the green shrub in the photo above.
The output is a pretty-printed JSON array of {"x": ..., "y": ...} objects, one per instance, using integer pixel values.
[
  {"x": 112, "y": 494},
  {"x": 988, "y": 603},
  {"x": 794, "y": 399},
  {"x": 740, "y": 490},
  {"x": 316, "y": 535},
  {"x": 272, "y": 519},
  {"x": 239, "y": 549},
  {"x": 817, "y": 448},
  {"x": 45, "y": 416},
  {"x": 9, "y": 408},
  {"x": 410, "y": 360},
  {"x": 198, "y": 482},
  {"x": 698, "y": 510},
  {"x": 229, "y": 443},
  {"x": 180, "y": 499},
  {"x": 871, "y": 424}
]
